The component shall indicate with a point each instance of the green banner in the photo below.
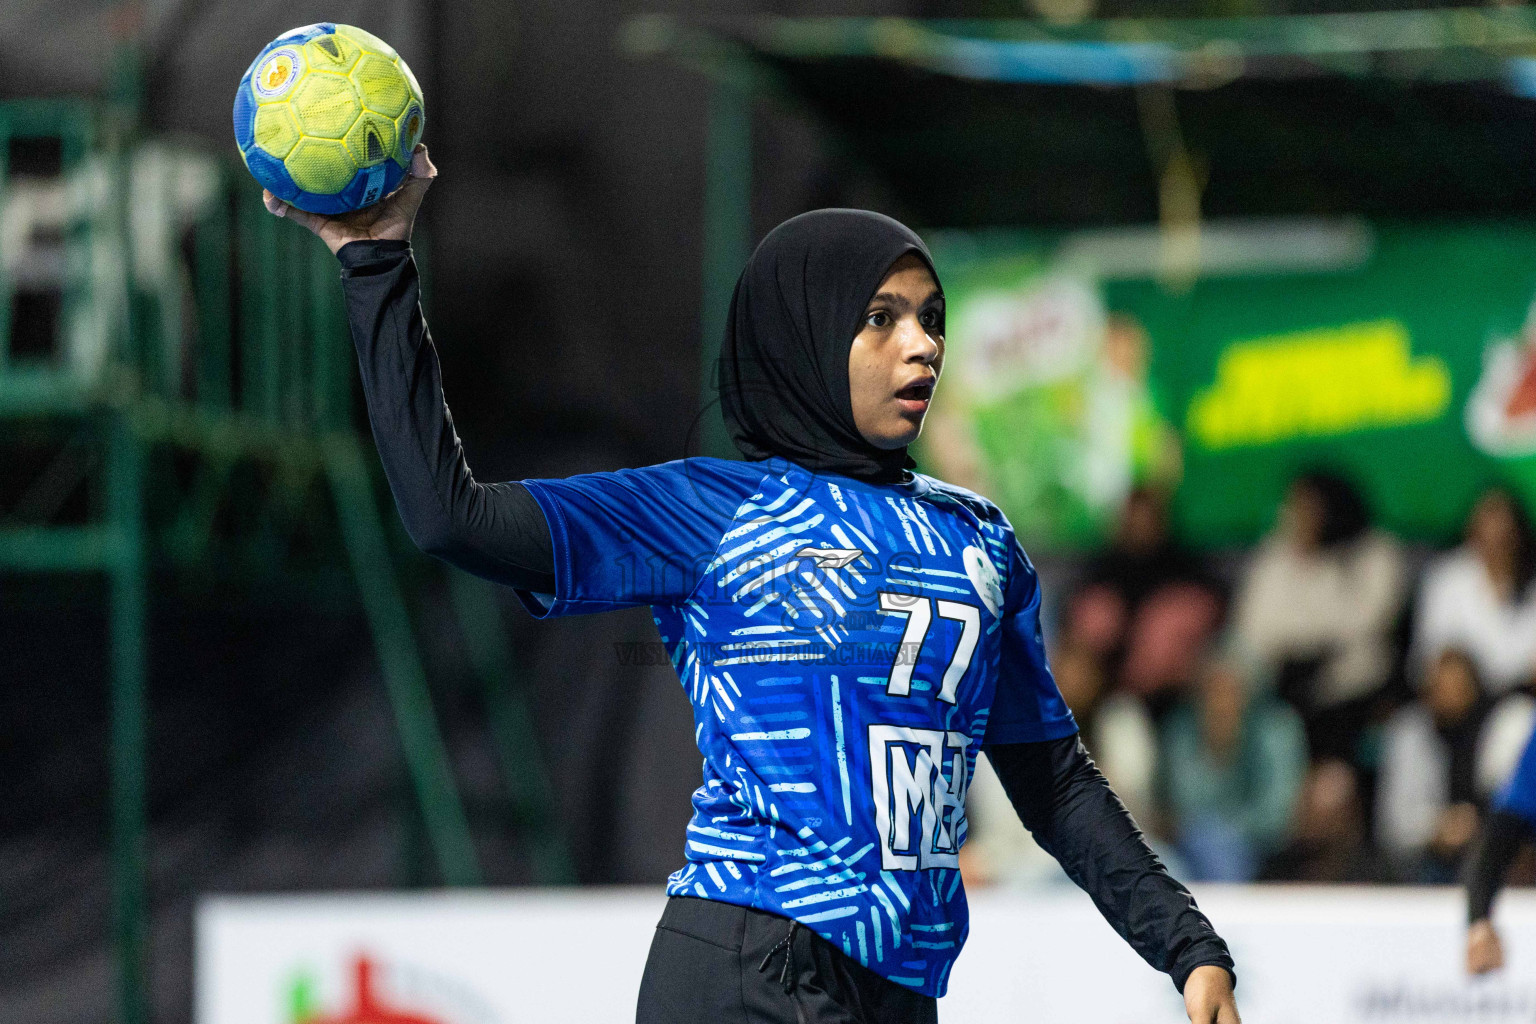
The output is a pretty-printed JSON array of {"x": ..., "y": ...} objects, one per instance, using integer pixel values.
[{"x": 1403, "y": 356}]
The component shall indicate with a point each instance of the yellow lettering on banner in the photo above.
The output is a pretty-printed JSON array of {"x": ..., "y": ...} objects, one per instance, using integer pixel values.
[{"x": 1319, "y": 383}]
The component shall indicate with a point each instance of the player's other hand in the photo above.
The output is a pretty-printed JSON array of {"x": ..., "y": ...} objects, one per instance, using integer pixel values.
[
  {"x": 1208, "y": 997},
  {"x": 390, "y": 218},
  {"x": 1484, "y": 950}
]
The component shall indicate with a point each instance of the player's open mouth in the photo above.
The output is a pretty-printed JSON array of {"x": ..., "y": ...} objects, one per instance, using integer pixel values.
[{"x": 916, "y": 396}]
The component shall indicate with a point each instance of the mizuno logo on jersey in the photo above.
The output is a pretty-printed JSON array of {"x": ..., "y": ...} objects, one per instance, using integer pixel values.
[{"x": 830, "y": 558}]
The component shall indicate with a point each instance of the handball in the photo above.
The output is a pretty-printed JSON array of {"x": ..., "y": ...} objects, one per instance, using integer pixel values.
[{"x": 326, "y": 118}]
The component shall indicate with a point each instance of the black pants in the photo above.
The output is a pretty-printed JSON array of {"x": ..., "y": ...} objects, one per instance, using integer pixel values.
[{"x": 715, "y": 963}]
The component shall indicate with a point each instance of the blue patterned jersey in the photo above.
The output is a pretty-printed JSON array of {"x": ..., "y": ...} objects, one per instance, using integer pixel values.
[{"x": 848, "y": 648}]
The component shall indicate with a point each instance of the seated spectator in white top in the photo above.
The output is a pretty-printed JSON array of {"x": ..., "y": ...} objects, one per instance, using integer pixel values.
[
  {"x": 1482, "y": 597},
  {"x": 1442, "y": 755},
  {"x": 1319, "y": 603}
]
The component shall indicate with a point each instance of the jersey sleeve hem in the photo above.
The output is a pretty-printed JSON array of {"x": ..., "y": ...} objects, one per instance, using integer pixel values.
[
  {"x": 559, "y": 537},
  {"x": 1029, "y": 732}
]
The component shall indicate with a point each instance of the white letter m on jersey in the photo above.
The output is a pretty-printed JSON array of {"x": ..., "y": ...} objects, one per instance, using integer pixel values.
[{"x": 919, "y": 810}]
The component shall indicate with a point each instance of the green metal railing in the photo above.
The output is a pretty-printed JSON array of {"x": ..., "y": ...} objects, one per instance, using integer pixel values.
[
  {"x": 260, "y": 388},
  {"x": 727, "y": 238}
]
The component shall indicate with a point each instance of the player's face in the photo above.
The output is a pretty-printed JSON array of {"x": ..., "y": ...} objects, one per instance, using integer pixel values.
[{"x": 896, "y": 357}]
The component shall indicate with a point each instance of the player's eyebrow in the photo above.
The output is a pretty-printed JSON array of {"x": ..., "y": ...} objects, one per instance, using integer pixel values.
[
  {"x": 888, "y": 299},
  {"x": 900, "y": 303}
]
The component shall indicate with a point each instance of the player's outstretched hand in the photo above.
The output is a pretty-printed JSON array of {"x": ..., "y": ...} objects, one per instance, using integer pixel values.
[
  {"x": 1484, "y": 950},
  {"x": 390, "y": 218},
  {"x": 1208, "y": 997}
]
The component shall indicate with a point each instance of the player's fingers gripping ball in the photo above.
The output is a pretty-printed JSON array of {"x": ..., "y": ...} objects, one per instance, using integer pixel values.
[{"x": 326, "y": 118}]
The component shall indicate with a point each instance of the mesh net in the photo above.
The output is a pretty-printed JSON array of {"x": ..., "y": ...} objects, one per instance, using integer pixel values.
[
  {"x": 410, "y": 77},
  {"x": 382, "y": 86},
  {"x": 371, "y": 140},
  {"x": 326, "y": 105},
  {"x": 274, "y": 129},
  {"x": 367, "y": 40},
  {"x": 322, "y": 166},
  {"x": 332, "y": 53}
]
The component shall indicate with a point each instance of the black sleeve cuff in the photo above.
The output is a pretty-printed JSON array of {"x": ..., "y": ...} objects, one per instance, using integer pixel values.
[
  {"x": 1207, "y": 958},
  {"x": 365, "y": 252}
]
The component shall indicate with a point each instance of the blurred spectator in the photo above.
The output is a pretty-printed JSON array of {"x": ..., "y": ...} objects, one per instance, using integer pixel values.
[
  {"x": 1482, "y": 597},
  {"x": 1147, "y": 606},
  {"x": 1442, "y": 756},
  {"x": 1318, "y": 604},
  {"x": 1328, "y": 841},
  {"x": 1233, "y": 762}
]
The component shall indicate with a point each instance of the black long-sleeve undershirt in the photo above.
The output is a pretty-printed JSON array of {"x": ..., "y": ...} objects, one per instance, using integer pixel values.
[
  {"x": 1503, "y": 835},
  {"x": 499, "y": 532},
  {"x": 492, "y": 530},
  {"x": 1068, "y": 806}
]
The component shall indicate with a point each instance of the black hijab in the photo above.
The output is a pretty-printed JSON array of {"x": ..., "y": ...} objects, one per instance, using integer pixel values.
[{"x": 784, "y": 365}]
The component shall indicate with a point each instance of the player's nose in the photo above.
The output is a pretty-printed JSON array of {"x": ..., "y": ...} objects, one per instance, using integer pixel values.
[{"x": 917, "y": 345}]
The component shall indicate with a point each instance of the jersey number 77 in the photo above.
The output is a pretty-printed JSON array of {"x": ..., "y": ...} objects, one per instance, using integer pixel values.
[{"x": 919, "y": 776}]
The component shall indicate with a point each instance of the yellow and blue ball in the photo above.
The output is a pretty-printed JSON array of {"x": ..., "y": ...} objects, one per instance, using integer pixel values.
[{"x": 326, "y": 118}]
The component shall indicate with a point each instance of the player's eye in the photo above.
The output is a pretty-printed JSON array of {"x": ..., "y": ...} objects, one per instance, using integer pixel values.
[
  {"x": 879, "y": 318},
  {"x": 932, "y": 320}
]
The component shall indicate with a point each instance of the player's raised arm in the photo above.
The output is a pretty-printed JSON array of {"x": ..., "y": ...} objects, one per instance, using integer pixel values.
[{"x": 493, "y": 530}]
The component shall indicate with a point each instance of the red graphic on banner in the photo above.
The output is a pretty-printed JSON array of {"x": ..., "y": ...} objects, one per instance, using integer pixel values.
[
  {"x": 367, "y": 1007},
  {"x": 1522, "y": 400}
]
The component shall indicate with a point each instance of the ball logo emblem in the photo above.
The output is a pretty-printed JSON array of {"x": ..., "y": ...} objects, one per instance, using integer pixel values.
[
  {"x": 276, "y": 74},
  {"x": 412, "y": 131}
]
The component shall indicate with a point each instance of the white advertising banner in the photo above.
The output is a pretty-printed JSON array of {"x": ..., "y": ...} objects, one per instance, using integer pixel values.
[{"x": 1305, "y": 956}]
